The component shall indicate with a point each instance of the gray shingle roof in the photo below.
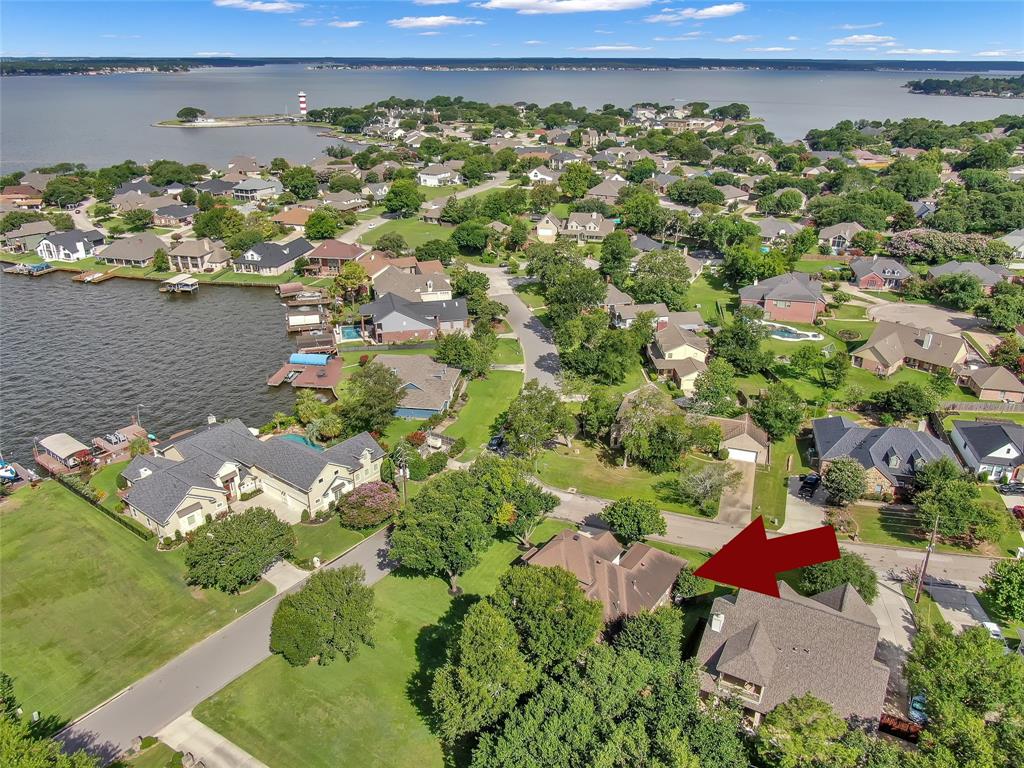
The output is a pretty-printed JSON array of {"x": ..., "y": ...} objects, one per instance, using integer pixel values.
[
  {"x": 792, "y": 286},
  {"x": 273, "y": 255},
  {"x": 987, "y": 274},
  {"x": 986, "y": 437},
  {"x": 451, "y": 310},
  {"x": 883, "y": 267}
]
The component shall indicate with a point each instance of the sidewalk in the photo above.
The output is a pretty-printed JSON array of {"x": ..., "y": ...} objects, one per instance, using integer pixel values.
[{"x": 186, "y": 734}]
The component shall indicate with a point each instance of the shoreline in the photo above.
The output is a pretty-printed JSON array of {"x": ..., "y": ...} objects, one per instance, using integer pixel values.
[{"x": 258, "y": 121}]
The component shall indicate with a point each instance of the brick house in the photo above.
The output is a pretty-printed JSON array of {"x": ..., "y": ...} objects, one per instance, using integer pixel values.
[
  {"x": 390, "y": 319},
  {"x": 894, "y": 345},
  {"x": 792, "y": 297},
  {"x": 994, "y": 383},
  {"x": 879, "y": 274}
]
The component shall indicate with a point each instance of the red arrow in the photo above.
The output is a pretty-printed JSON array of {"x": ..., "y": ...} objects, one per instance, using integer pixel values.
[{"x": 750, "y": 560}]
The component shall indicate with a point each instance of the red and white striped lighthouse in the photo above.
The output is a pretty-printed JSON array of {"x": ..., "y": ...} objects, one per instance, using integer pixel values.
[{"x": 302, "y": 103}]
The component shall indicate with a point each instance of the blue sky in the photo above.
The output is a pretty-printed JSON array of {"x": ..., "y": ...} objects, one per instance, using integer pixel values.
[{"x": 924, "y": 29}]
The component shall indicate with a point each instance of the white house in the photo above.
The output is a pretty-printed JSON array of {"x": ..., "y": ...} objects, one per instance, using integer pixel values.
[
  {"x": 995, "y": 447},
  {"x": 73, "y": 245},
  {"x": 437, "y": 176}
]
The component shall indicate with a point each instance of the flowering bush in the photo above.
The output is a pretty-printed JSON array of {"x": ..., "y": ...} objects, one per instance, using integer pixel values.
[
  {"x": 417, "y": 438},
  {"x": 932, "y": 247},
  {"x": 364, "y": 359},
  {"x": 368, "y": 505}
]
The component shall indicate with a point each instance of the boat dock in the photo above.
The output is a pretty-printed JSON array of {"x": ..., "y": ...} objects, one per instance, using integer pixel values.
[
  {"x": 316, "y": 342},
  {"x": 313, "y": 371},
  {"x": 87, "y": 277},
  {"x": 32, "y": 270},
  {"x": 180, "y": 284}
]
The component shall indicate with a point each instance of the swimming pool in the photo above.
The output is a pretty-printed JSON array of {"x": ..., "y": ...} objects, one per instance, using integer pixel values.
[
  {"x": 788, "y": 333},
  {"x": 349, "y": 333},
  {"x": 302, "y": 441}
]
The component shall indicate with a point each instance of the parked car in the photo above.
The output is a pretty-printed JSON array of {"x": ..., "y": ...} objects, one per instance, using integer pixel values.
[
  {"x": 916, "y": 710},
  {"x": 808, "y": 485},
  {"x": 1011, "y": 489}
]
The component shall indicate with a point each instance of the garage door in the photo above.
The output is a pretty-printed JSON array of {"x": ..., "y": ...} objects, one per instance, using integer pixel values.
[{"x": 740, "y": 455}]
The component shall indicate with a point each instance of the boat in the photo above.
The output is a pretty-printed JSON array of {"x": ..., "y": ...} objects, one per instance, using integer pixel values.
[{"x": 8, "y": 474}]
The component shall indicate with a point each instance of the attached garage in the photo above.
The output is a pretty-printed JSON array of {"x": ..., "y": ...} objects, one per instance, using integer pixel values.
[
  {"x": 743, "y": 440},
  {"x": 739, "y": 454}
]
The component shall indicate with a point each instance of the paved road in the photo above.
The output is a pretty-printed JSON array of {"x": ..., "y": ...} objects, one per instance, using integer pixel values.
[
  {"x": 538, "y": 343},
  {"x": 896, "y": 624},
  {"x": 363, "y": 227},
  {"x": 162, "y": 697},
  {"x": 958, "y": 606}
]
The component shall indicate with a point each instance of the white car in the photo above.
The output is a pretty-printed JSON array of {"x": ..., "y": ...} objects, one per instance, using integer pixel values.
[
  {"x": 993, "y": 630},
  {"x": 371, "y": 225}
]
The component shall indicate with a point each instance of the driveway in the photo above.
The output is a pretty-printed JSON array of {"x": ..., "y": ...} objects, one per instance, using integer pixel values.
[
  {"x": 281, "y": 510},
  {"x": 958, "y": 606},
  {"x": 896, "y": 622},
  {"x": 803, "y": 514},
  {"x": 188, "y": 735},
  {"x": 539, "y": 351},
  {"x": 926, "y": 317},
  {"x": 734, "y": 508}
]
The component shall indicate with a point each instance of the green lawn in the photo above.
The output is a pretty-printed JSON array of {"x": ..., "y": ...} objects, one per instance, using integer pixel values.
[
  {"x": 370, "y": 712},
  {"x": 326, "y": 540},
  {"x": 561, "y": 210},
  {"x": 432, "y": 193},
  {"x": 926, "y": 611},
  {"x": 415, "y": 231},
  {"x": 508, "y": 352},
  {"x": 531, "y": 295},
  {"x": 157, "y": 756},
  {"x": 897, "y": 528},
  {"x": 1009, "y": 626},
  {"x": 850, "y": 312},
  {"x": 89, "y": 608},
  {"x": 105, "y": 481},
  {"x": 771, "y": 484},
  {"x": 813, "y": 266},
  {"x": 488, "y": 399},
  {"x": 708, "y": 289},
  {"x": 947, "y": 422}
]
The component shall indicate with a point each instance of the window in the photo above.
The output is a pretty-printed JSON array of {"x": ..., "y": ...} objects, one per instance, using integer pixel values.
[
  {"x": 783, "y": 304},
  {"x": 190, "y": 520}
]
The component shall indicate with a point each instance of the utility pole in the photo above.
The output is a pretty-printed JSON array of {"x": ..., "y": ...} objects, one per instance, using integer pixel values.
[{"x": 927, "y": 555}]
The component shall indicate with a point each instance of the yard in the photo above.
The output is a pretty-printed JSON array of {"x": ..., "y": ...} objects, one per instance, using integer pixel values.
[
  {"x": 488, "y": 399},
  {"x": 531, "y": 295},
  {"x": 706, "y": 291},
  {"x": 88, "y": 608},
  {"x": 325, "y": 540},
  {"x": 415, "y": 231},
  {"x": 771, "y": 485},
  {"x": 433, "y": 193},
  {"x": 508, "y": 352},
  {"x": 372, "y": 711},
  {"x": 105, "y": 481}
]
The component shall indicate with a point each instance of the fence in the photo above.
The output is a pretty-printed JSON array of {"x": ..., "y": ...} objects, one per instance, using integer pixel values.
[
  {"x": 142, "y": 533},
  {"x": 979, "y": 407},
  {"x": 345, "y": 348}
]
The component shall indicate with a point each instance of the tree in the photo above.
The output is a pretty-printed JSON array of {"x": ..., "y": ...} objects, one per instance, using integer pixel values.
[
  {"x": 694, "y": 192},
  {"x": 518, "y": 235},
  {"x": 638, "y": 421},
  {"x": 21, "y": 747},
  {"x": 704, "y": 487},
  {"x": 322, "y": 223},
  {"x": 850, "y": 568},
  {"x": 961, "y": 291},
  {"x": 905, "y": 399},
  {"x": 471, "y": 236},
  {"x": 138, "y": 219},
  {"x": 1004, "y": 586},
  {"x": 444, "y": 251},
  {"x": 231, "y": 553},
  {"x": 641, "y": 210},
  {"x": 661, "y": 276},
  {"x": 555, "y": 621},
  {"x": 190, "y": 114},
  {"x": 688, "y": 586},
  {"x": 367, "y": 506},
  {"x": 633, "y": 519},
  {"x": 218, "y": 223},
  {"x": 161, "y": 263},
  {"x": 577, "y": 179},
  {"x": 333, "y": 613},
  {"x": 656, "y": 635},
  {"x": 955, "y": 510},
  {"x": 370, "y": 398},
  {"x": 573, "y": 291},
  {"x": 344, "y": 182},
  {"x": 844, "y": 479},
  {"x": 597, "y": 414},
  {"x": 403, "y": 198},
  {"x": 804, "y": 732},
  {"x": 616, "y": 254},
  {"x": 392, "y": 242},
  {"x": 525, "y": 508},
  {"x": 535, "y": 417},
  {"x": 301, "y": 181},
  {"x": 739, "y": 343},
  {"x": 779, "y": 411},
  {"x": 351, "y": 278},
  {"x": 484, "y": 677},
  {"x": 8, "y": 700},
  {"x": 714, "y": 391},
  {"x": 1008, "y": 353}
]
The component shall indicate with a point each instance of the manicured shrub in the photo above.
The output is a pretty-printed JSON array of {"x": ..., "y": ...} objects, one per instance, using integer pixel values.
[
  {"x": 457, "y": 447},
  {"x": 417, "y": 438},
  {"x": 436, "y": 462},
  {"x": 369, "y": 505}
]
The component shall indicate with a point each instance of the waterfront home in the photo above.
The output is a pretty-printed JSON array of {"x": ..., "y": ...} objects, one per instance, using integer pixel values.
[
  {"x": 437, "y": 176},
  {"x": 37, "y": 180},
  {"x": 131, "y": 201},
  {"x": 429, "y": 386},
  {"x": 760, "y": 651},
  {"x": 73, "y": 245},
  {"x": 773, "y": 229},
  {"x": 135, "y": 251},
  {"x": 793, "y": 297},
  {"x": 994, "y": 382},
  {"x": 607, "y": 191},
  {"x": 60, "y": 453},
  {"x": 330, "y": 256},
  {"x": 270, "y": 259},
  {"x": 257, "y": 189},
  {"x": 587, "y": 227},
  {"x": 390, "y": 319},
  {"x": 990, "y": 445},
  {"x": 989, "y": 275},
  {"x": 890, "y": 455},
  {"x": 27, "y": 236},
  {"x": 198, "y": 474},
  {"x": 625, "y": 581},
  {"x": 244, "y": 164},
  {"x": 174, "y": 215},
  {"x": 838, "y": 237},
  {"x": 894, "y": 345},
  {"x": 216, "y": 187},
  {"x": 421, "y": 284},
  {"x": 140, "y": 187},
  {"x": 115, "y": 446},
  {"x": 879, "y": 273},
  {"x": 203, "y": 255},
  {"x": 295, "y": 217},
  {"x": 22, "y": 196}
]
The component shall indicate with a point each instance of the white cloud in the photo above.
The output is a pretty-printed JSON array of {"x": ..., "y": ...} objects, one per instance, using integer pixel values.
[
  {"x": 769, "y": 49},
  {"x": 205, "y": 54},
  {"x": 533, "y": 42},
  {"x": 613, "y": 48},
  {"x": 537, "y": 7},
  {"x": 679, "y": 38},
  {"x": 711, "y": 12},
  {"x": 862, "y": 40},
  {"x": 430, "y": 33},
  {"x": 792, "y": 37},
  {"x": 921, "y": 51},
  {"x": 434, "y": 2},
  {"x": 419, "y": 22},
  {"x": 308, "y": 22},
  {"x": 851, "y": 27},
  {"x": 261, "y": 6},
  {"x": 736, "y": 39},
  {"x": 993, "y": 54},
  {"x": 345, "y": 24}
]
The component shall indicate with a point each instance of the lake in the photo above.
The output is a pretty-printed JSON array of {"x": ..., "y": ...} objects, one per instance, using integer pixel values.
[
  {"x": 78, "y": 358},
  {"x": 107, "y": 119}
]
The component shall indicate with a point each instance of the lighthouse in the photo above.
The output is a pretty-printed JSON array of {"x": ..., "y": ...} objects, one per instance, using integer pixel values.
[{"x": 302, "y": 103}]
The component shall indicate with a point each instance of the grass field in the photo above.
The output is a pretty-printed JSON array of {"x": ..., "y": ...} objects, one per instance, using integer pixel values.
[
  {"x": 813, "y": 266},
  {"x": 415, "y": 231},
  {"x": 508, "y": 352},
  {"x": 157, "y": 756},
  {"x": 326, "y": 540},
  {"x": 488, "y": 398},
  {"x": 708, "y": 289},
  {"x": 1017, "y": 418},
  {"x": 370, "y": 712},
  {"x": 433, "y": 193},
  {"x": 105, "y": 481},
  {"x": 89, "y": 608},
  {"x": 531, "y": 295}
]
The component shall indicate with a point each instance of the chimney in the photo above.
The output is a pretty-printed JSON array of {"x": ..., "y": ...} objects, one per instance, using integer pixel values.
[
  {"x": 717, "y": 620},
  {"x": 927, "y": 343},
  {"x": 211, "y": 419},
  {"x": 755, "y": 281}
]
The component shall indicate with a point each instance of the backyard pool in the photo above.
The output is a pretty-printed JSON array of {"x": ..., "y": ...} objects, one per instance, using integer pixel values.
[
  {"x": 349, "y": 333},
  {"x": 788, "y": 333},
  {"x": 301, "y": 440}
]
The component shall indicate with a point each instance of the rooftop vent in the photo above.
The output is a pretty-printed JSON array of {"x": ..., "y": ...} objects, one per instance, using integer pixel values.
[{"x": 717, "y": 620}]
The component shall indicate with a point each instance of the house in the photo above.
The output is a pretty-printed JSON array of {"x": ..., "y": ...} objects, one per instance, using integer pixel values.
[
  {"x": 773, "y": 229},
  {"x": 27, "y": 236},
  {"x": 437, "y": 176},
  {"x": 993, "y": 446},
  {"x": 793, "y": 296},
  {"x": 761, "y": 651},
  {"x": 679, "y": 354},
  {"x": 22, "y": 196},
  {"x": 894, "y": 345},
  {"x": 244, "y": 164},
  {"x": 615, "y": 297},
  {"x": 587, "y": 227},
  {"x": 272, "y": 258},
  {"x": 1015, "y": 240},
  {"x": 548, "y": 228},
  {"x": 607, "y": 191},
  {"x": 139, "y": 187},
  {"x": 645, "y": 244},
  {"x": 203, "y": 255},
  {"x": 377, "y": 190},
  {"x": 890, "y": 455},
  {"x": 413, "y": 286},
  {"x": 625, "y": 582},
  {"x": 174, "y": 215},
  {"x": 257, "y": 189},
  {"x": 989, "y": 275},
  {"x": 392, "y": 319},
  {"x": 60, "y": 453},
  {"x": 562, "y": 159},
  {"x": 345, "y": 201},
  {"x": 624, "y": 315},
  {"x": 994, "y": 383},
  {"x": 295, "y": 217},
  {"x": 923, "y": 208},
  {"x": 733, "y": 195},
  {"x": 839, "y": 237},
  {"x": 542, "y": 175},
  {"x": 743, "y": 440},
  {"x": 331, "y": 255},
  {"x": 216, "y": 187},
  {"x": 134, "y": 201},
  {"x": 429, "y": 386},
  {"x": 879, "y": 274},
  {"x": 135, "y": 251},
  {"x": 198, "y": 474},
  {"x": 73, "y": 245}
]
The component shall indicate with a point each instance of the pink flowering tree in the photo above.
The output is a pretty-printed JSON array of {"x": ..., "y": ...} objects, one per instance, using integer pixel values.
[{"x": 367, "y": 506}]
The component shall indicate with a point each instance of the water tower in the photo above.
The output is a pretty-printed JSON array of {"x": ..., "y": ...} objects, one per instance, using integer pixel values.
[{"x": 302, "y": 103}]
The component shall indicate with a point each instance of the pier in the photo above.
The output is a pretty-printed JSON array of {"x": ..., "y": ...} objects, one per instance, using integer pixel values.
[
  {"x": 32, "y": 270},
  {"x": 313, "y": 371},
  {"x": 180, "y": 284}
]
